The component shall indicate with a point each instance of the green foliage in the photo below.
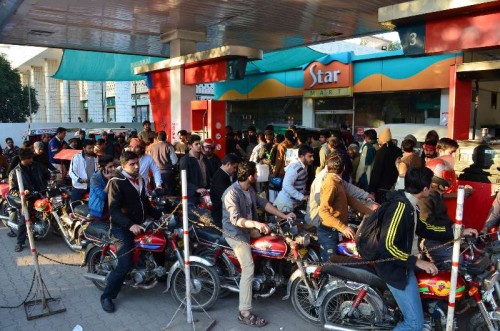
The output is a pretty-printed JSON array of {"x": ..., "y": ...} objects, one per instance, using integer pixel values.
[
  {"x": 14, "y": 98},
  {"x": 394, "y": 46}
]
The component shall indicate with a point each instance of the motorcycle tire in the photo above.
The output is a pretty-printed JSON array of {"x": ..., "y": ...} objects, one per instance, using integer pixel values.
[
  {"x": 477, "y": 323},
  {"x": 223, "y": 269},
  {"x": 339, "y": 301},
  {"x": 300, "y": 302},
  {"x": 204, "y": 280},
  {"x": 95, "y": 267}
]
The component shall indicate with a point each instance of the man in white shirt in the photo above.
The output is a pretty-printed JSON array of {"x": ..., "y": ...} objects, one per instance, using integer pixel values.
[
  {"x": 82, "y": 167},
  {"x": 146, "y": 162}
]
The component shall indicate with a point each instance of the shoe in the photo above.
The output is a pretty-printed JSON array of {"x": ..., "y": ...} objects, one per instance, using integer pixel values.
[
  {"x": 107, "y": 305},
  {"x": 12, "y": 234},
  {"x": 18, "y": 248}
]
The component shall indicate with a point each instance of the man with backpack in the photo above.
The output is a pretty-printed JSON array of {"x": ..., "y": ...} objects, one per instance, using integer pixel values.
[{"x": 393, "y": 235}]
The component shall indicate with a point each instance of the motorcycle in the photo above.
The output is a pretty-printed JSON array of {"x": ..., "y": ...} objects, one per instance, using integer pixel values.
[
  {"x": 353, "y": 298},
  {"x": 275, "y": 256},
  {"x": 155, "y": 249}
]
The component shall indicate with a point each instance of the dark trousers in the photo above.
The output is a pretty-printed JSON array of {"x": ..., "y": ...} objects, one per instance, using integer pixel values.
[
  {"x": 124, "y": 242},
  {"x": 77, "y": 194},
  {"x": 168, "y": 179},
  {"x": 22, "y": 230},
  {"x": 328, "y": 240}
]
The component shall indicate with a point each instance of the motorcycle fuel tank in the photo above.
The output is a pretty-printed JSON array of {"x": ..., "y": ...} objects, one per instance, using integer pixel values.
[
  {"x": 438, "y": 286},
  {"x": 150, "y": 241},
  {"x": 270, "y": 246}
]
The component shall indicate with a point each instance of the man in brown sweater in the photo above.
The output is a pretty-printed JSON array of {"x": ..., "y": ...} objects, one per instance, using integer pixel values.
[
  {"x": 333, "y": 209},
  {"x": 279, "y": 165}
]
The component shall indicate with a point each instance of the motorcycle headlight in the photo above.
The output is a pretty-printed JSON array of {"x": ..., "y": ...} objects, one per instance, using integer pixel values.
[
  {"x": 304, "y": 240},
  {"x": 489, "y": 282}
]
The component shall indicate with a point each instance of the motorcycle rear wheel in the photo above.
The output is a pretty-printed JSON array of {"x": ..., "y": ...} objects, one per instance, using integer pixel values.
[
  {"x": 220, "y": 264},
  {"x": 300, "y": 301},
  {"x": 205, "y": 286},
  {"x": 95, "y": 266},
  {"x": 338, "y": 302}
]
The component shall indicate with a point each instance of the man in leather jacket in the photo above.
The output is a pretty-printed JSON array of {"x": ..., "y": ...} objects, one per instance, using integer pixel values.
[
  {"x": 128, "y": 208},
  {"x": 35, "y": 178}
]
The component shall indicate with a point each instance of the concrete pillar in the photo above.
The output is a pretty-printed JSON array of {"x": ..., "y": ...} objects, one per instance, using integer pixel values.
[
  {"x": 459, "y": 107},
  {"x": 95, "y": 102},
  {"x": 38, "y": 83},
  {"x": 443, "y": 113},
  {"x": 70, "y": 105},
  {"x": 308, "y": 112},
  {"x": 123, "y": 102},
  {"x": 52, "y": 92}
]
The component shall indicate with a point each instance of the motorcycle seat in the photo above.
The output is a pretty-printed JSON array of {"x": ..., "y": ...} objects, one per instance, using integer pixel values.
[
  {"x": 359, "y": 273},
  {"x": 81, "y": 210},
  {"x": 98, "y": 231},
  {"x": 211, "y": 235},
  {"x": 14, "y": 201}
]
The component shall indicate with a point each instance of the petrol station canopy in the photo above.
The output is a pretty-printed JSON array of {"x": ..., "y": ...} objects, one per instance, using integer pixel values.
[{"x": 142, "y": 27}]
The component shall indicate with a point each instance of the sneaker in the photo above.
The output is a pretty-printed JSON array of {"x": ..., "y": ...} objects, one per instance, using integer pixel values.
[
  {"x": 18, "y": 248},
  {"x": 107, "y": 305}
]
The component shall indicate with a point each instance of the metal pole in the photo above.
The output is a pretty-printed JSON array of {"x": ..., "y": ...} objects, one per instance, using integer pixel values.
[
  {"x": 185, "y": 224},
  {"x": 135, "y": 99},
  {"x": 476, "y": 108},
  {"x": 29, "y": 93},
  {"x": 69, "y": 101},
  {"x": 457, "y": 230},
  {"x": 30, "y": 234},
  {"x": 103, "y": 95}
]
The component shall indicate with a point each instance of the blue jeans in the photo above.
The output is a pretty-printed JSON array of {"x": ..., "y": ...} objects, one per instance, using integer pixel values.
[
  {"x": 410, "y": 305},
  {"x": 124, "y": 242},
  {"x": 328, "y": 239}
]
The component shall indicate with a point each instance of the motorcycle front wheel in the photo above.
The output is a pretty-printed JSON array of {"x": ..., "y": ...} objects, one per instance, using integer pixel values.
[
  {"x": 95, "y": 266},
  {"x": 205, "y": 286},
  {"x": 338, "y": 303},
  {"x": 300, "y": 302}
]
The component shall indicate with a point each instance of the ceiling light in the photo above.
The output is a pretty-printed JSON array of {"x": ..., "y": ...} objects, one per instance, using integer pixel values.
[{"x": 40, "y": 33}]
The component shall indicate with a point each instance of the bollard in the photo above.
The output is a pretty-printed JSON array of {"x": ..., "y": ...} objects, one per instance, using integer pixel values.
[
  {"x": 457, "y": 231},
  {"x": 185, "y": 225}
]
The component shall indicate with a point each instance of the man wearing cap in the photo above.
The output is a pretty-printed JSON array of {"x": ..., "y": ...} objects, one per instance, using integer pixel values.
[
  {"x": 384, "y": 172},
  {"x": 163, "y": 153},
  {"x": 212, "y": 161},
  {"x": 35, "y": 179},
  {"x": 146, "y": 162}
]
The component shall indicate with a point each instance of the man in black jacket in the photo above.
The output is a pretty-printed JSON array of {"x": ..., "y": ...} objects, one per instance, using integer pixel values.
[
  {"x": 128, "y": 208},
  {"x": 222, "y": 179},
  {"x": 398, "y": 239},
  {"x": 195, "y": 165},
  {"x": 35, "y": 178},
  {"x": 384, "y": 172}
]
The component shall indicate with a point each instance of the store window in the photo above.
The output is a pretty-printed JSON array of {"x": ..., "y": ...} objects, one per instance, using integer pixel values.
[
  {"x": 286, "y": 111},
  {"x": 141, "y": 113},
  {"x": 333, "y": 113}
]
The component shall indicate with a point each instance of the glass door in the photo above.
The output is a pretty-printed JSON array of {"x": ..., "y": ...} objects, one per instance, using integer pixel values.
[{"x": 334, "y": 119}]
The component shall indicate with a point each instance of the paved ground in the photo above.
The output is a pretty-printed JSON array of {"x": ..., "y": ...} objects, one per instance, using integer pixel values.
[{"x": 136, "y": 309}]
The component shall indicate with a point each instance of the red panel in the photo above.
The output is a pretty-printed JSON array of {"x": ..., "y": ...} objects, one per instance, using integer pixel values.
[
  {"x": 217, "y": 125},
  {"x": 159, "y": 97},
  {"x": 459, "y": 107},
  {"x": 205, "y": 73},
  {"x": 460, "y": 33},
  {"x": 334, "y": 74},
  {"x": 476, "y": 207}
]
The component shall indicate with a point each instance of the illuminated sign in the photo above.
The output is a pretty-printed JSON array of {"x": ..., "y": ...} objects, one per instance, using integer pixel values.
[{"x": 333, "y": 75}]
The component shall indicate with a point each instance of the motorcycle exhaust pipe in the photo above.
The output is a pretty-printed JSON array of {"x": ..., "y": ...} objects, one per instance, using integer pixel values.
[
  {"x": 4, "y": 217},
  {"x": 98, "y": 278},
  {"x": 13, "y": 226},
  {"x": 333, "y": 327},
  {"x": 67, "y": 220},
  {"x": 231, "y": 288}
]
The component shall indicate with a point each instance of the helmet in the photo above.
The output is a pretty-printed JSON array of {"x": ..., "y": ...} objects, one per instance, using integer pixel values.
[
  {"x": 208, "y": 142},
  {"x": 444, "y": 175},
  {"x": 43, "y": 205}
]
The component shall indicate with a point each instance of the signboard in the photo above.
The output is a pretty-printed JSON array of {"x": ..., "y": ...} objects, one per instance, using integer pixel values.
[
  {"x": 322, "y": 76},
  {"x": 329, "y": 93},
  {"x": 412, "y": 38}
]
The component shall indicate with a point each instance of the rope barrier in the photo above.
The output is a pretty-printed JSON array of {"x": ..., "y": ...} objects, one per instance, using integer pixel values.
[{"x": 27, "y": 295}]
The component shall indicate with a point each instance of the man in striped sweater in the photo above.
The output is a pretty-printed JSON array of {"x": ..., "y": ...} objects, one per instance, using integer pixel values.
[{"x": 295, "y": 181}]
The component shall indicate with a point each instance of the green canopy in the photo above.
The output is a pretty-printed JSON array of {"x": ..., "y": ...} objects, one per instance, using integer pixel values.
[
  {"x": 97, "y": 66},
  {"x": 283, "y": 60}
]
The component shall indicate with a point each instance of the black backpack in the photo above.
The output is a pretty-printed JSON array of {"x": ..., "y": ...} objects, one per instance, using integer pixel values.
[{"x": 368, "y": 234}]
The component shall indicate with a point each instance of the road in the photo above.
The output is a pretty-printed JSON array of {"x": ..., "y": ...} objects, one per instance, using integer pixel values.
[{"x": 136, "y": 309}]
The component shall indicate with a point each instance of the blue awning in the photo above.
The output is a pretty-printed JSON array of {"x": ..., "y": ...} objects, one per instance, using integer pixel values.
[{"x": 98, "y": 66}]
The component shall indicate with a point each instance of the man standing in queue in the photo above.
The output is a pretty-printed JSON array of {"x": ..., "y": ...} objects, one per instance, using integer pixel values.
[
  {"x": 240, "y": 221},
  {"x": 128, "y": 208}
]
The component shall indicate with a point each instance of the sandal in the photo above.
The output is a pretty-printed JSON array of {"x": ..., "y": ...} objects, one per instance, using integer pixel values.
[{"x": 252, "y": 320}]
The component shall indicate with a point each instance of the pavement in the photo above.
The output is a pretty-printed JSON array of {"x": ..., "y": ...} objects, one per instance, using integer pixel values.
[{"x": 136, "y": 309}]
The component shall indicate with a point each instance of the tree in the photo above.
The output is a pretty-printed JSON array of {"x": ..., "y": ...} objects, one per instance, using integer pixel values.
[{"x": 14, "y": 98}]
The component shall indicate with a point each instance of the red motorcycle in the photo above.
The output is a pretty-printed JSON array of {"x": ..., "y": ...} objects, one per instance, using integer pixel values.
[
  {"x": 155, "y": 250},
  {"x": 275, "y": 257},
  {"x": 354, "y": 297}
]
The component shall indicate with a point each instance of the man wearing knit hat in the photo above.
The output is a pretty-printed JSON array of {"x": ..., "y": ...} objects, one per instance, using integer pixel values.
[
  {"x": 384, "y": 172},
  {"x": 146, "y": 162}
]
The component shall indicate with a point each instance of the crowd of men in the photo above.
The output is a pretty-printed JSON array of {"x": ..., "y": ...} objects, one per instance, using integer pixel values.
[{"x": 331, "y": 172}]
